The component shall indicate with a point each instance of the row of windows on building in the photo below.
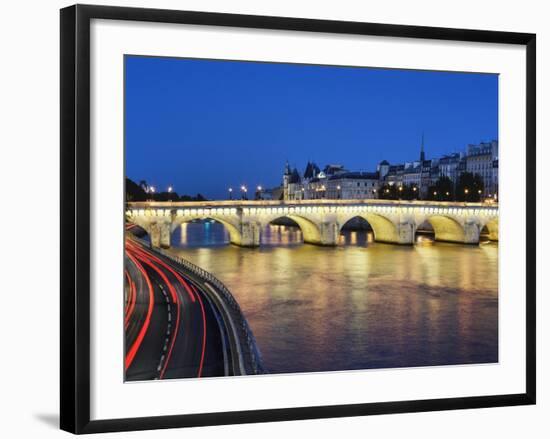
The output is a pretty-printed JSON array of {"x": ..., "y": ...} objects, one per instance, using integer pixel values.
[{"x": 336, "y": 182}]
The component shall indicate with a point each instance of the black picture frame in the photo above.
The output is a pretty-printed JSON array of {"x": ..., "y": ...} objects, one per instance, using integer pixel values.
[{"x": 75, "y": 217}]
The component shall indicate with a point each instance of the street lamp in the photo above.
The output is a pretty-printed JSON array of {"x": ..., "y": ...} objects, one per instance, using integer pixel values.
[
  {"x": 243, "y": 190},
  {"x": 230, "y": 190},
  {"x": 170, "y": 188}
]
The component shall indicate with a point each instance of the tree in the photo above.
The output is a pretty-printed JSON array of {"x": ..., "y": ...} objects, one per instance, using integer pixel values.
[
  {"x": 442, "y": 190},
  {"x": 166, "y": 196},
  {"x": 388, "y": 192},
  {"x": 198, "y": 197},
  {"x": 398, "y": 192},
  {"x": 409, "y": 192},
  {"x": 134, "y": 192},
  {"x": 469, "y": 187}
]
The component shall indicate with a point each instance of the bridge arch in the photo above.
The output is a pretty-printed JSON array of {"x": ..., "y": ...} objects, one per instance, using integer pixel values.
[
  {"x": 384, "y": 229},
  {"x": 447, "y": 228},
  {"x": 235, "y": 235},
  {"x": 491, "y": 228},
  {"x": 310, "y": 230}
]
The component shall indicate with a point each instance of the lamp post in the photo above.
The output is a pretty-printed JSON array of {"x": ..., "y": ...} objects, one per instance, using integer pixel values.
[
  {"x": 338, "y": 193},
  {"x": 259, "y": 192},
  {"x": 230, "y": 190},
  {"x": 243, "y": 192}
]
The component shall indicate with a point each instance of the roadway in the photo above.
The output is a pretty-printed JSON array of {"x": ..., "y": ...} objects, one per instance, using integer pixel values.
[{"x": 173, "y": 326}]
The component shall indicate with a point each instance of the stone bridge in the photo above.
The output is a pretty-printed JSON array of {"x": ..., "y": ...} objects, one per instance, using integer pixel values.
[{"x": 321, "y": 221}]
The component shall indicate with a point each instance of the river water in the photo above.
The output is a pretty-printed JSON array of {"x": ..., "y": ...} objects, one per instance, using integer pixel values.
[{"x": 358, "y": 305}]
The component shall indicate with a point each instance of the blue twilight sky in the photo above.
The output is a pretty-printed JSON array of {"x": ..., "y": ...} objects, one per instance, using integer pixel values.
[{"x": 204, "y": 125}]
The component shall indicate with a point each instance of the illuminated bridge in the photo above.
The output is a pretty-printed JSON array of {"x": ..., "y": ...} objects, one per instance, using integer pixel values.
[{"x": 321, "y": 221}]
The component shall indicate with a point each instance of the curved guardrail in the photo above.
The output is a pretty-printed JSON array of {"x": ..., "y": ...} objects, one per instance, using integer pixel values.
[
  {"x": 247, "y": 340},
  {"x": 249, "y": 345}
]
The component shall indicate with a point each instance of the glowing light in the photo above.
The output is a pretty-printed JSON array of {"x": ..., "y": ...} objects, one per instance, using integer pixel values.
[
  {"x": 183, "y": 234},
  {"x": 170, "y": 189}
]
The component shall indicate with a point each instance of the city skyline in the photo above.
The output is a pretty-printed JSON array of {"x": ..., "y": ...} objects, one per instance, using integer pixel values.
[{"x": 197, "y": 125}]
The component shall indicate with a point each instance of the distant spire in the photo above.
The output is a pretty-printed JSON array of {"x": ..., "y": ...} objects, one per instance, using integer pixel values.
[
  {"x": 287, "y": 168},
  {"x": 422, "y": 153}
]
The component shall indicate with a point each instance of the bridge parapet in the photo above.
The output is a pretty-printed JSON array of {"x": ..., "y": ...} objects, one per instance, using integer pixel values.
[{"x": 321, "y": 220}]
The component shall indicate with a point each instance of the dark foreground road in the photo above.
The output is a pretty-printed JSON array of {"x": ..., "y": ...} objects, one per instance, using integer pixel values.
[{"x": 175, "y": 325}]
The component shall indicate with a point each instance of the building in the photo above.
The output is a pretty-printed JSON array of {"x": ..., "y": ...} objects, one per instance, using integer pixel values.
[
  {"x": 448, "y": 166},
  {"x": 494, "y": 188},
  {"x": 480, "y": 160},
  {"x": 412, "y": 174},
  {"x": 395, "y": 175},
  {"x": 336, "y": 182},
  {"x": 353, "y": 185}
]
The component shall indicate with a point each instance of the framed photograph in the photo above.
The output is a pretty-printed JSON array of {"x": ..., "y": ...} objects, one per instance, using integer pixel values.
[{"x": 268, "y": 218}]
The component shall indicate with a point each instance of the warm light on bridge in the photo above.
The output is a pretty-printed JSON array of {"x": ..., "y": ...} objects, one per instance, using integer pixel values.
[{"x": 392, "y": 221}]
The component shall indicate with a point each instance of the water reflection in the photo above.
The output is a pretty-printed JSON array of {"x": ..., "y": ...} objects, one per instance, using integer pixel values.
[
  {"x": 281, "y": 235},
  {"x": 360, "y": 304}
]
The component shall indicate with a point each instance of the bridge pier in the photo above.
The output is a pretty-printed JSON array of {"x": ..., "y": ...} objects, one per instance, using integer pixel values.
[
  {"x": 250, "y": 234},
  {"x": 405, "y": 233},
  {"x": 471, "y": 233},
  {"x": 328, "y": 234},
  {"x": 160, "y": 235}
]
